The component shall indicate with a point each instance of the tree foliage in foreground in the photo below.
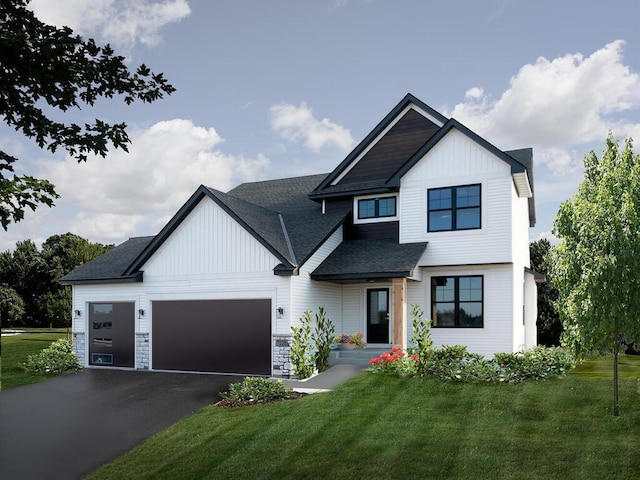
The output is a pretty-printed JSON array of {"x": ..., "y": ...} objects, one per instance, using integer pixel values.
[
  {"x": 29, "y": 289},
  {"x": 595, "y": 267},
  {"x": 42, "y": 65},
  {"x": 549, "y": 323}
]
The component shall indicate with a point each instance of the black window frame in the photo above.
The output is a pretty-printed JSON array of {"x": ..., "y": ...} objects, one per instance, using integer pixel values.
[
  {"x": 437, "y": 281},
  {"x": 454, "y": 209},
  {"x": 377, "y": 207}
]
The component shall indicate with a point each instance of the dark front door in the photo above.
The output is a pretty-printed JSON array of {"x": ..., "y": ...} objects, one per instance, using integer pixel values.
[
  {"x": 111, "y": 334},
  {"x": 378, "y": 315}
]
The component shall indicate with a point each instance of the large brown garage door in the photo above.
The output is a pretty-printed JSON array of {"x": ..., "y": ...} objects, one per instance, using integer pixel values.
[{"x": 227, "y": 336}]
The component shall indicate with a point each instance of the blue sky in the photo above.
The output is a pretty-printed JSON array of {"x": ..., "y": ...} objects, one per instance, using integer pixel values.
[{"x": 270, "y": 89}]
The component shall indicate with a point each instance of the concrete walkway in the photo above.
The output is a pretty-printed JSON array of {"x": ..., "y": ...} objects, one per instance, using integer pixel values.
[{"x": 327, "y": 380}]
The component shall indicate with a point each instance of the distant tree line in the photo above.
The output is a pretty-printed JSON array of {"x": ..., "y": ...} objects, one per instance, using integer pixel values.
[{"x": 30, "y": 294}]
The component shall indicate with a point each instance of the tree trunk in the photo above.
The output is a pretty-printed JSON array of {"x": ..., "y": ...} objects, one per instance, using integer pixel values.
[{"x": 616, "y": 404}]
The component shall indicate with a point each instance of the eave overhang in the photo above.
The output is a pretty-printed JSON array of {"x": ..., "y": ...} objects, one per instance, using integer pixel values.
[
  {"x": 136, "y": 277},
  {"x": 522, "y": 184}
]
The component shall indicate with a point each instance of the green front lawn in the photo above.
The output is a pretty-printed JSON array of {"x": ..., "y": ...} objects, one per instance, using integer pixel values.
[
  {"x": 16, "y": 349},
  {"x": 382, "y": 427}
]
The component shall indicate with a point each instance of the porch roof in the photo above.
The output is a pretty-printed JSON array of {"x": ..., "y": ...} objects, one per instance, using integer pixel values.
[{"x": 370, "y": 259}]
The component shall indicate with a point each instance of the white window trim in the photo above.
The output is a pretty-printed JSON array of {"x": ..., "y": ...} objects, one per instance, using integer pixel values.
[{"x": 357, "y": 220}]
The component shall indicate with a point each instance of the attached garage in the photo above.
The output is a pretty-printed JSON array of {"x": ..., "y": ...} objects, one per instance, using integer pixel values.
[{"x": 223, "y": 336}]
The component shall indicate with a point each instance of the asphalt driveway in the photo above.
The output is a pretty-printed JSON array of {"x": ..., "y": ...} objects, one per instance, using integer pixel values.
[{"x": 66, "y": 427}]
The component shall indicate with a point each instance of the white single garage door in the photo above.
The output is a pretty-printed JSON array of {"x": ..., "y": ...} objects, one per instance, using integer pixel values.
[{"x": 225, "y": 336}]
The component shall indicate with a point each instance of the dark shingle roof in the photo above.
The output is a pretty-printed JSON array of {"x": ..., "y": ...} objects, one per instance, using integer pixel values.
[
  {"x": 302, "y": 218},
  {"x": 265, "y": 223},
  {"x": 283, "y": 216},
  {"x": 278, "y": 213},
  {"x": 367, "y": 259},
  {"x": 111, "y": 266}
]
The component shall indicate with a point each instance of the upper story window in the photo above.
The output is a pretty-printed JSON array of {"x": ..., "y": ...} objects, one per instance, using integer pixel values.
[
  {"x": 376, "y": 207},
  {"x": 454, "y": 208}
]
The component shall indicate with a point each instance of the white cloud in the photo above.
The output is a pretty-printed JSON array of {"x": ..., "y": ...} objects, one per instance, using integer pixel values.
[
  {"x": 297, "y": 124},
  {"x": 557, "y": 103},
  {"x": 560, "y": 161},
  {"x": 553, "y": 240},
  {"x": 120, "y": 23},
  {"x": 474, "y": 93},
  {"x": 166, "y": 163}
]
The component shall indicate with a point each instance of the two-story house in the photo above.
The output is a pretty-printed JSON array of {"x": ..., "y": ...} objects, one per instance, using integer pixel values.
[{"x": 423, "y": 211}]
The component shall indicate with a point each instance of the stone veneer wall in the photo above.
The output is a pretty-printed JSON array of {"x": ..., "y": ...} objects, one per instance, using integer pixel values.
[
  {"x": 142, "y": 351},
  {"x": 282, "y": 355},
  {"x": 78, "y": 347}
]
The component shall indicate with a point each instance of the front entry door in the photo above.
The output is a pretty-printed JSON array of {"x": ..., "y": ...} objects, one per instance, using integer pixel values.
[{"x": 378, "y": 315}]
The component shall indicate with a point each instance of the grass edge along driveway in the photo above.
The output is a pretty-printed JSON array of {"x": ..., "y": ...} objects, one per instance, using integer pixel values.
[
  {"x": 16, "y": 349},
  {"x": 387, "y": 427}
]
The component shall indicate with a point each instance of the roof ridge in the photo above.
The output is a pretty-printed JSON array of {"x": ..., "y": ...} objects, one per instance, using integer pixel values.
[
  {"x": 286, "y": 238},
  {"x": 282, "y": 179}
]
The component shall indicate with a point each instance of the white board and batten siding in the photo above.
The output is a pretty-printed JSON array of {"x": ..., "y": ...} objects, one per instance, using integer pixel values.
[
  {"x": 307, "y": 294},
  {"x": 208, "y": 257},
  {"x": 457, "y": 160},
  {"x": 497, "y": 333},
  {"x": 209, "y": 242}
]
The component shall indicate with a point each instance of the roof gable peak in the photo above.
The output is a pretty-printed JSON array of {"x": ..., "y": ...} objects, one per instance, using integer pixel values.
[{"x": 408, "y": 104}]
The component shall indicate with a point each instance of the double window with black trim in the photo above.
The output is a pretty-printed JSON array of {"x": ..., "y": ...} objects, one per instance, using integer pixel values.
[
  {"x": 457, "y": 301},
  {"x": 379, "y": 207},
  {"x": 454, "y": 208}
]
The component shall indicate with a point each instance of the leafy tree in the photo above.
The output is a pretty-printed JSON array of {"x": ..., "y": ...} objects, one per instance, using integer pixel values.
[
  {"x": 44, "y": 65},
  {"x": 33, "y": 274},
  {"x": 66, "y": 252},
  {"x": 28, "y": 274},
  {"x": 596, "y": 264},
  {"x": 55, "y": 306},
  {"x": 549, "y": 323},
  {"x": 11, "y": 306}
]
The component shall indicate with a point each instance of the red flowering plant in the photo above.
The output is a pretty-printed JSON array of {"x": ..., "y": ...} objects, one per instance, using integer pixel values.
[{"x": 395, "y": 361}]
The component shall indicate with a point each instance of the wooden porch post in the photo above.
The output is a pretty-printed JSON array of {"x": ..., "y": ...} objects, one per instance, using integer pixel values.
[{"x": 399, "y": 286}]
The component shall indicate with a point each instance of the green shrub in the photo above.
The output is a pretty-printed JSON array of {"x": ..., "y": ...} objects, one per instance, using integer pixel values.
[
  {"x": 537, "y": 362},
  {"x": 456, "y": 363},
  {"x": 58, "y": 357},
  {"x": 302, "y": 357},
  {"x": 255, "y": 390},
  {"x": 422, "y": 342},
  {"x": 323, "y": 338}
]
